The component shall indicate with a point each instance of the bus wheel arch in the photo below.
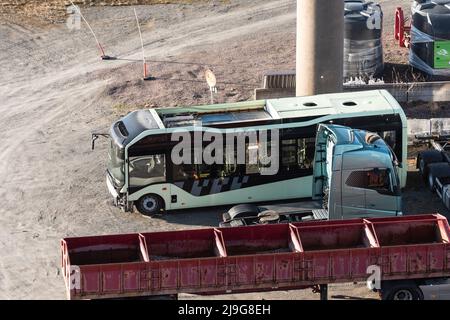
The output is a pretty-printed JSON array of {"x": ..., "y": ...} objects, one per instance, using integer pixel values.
[{"x": 151, "y": 204}]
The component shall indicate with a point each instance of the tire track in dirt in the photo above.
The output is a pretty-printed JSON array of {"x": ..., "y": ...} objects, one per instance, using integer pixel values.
[{"x": 48, "y": 180}]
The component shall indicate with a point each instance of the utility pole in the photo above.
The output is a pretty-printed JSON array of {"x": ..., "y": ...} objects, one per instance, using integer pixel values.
[{"x": 320, "y": 47}]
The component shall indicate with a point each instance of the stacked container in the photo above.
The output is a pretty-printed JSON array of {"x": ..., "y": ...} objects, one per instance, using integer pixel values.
[
  {"x": 363, "y": 47},
  {"x": 430, "y": 37}
]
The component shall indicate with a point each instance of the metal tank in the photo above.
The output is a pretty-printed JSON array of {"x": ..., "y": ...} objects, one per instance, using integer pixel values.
[
  {"x": 430, "y": 37},
  {"x": 363, "y": 47}
]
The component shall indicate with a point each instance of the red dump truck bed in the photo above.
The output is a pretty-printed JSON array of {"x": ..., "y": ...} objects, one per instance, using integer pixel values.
[{"x": 256, "y": 258}]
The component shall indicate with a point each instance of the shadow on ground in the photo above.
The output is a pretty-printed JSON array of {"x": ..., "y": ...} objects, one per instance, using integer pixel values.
[{"x": 418, "y": 199}]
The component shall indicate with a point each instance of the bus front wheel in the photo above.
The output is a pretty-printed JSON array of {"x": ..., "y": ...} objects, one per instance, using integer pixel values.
[{"x": 150, "y": 204}]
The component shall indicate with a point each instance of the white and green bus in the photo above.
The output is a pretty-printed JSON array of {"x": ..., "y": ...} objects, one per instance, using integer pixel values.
[{"x": 141, "y": 172}]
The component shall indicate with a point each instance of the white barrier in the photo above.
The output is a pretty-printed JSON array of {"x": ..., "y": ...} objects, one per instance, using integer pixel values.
[{"x": 281, "y": 84}]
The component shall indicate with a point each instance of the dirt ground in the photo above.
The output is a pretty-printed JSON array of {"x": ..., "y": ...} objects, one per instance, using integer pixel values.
[{"x": 54, "y": 91}]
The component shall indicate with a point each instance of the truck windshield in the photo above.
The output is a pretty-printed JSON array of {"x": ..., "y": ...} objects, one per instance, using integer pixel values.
[{"x": 116, "y": 163}]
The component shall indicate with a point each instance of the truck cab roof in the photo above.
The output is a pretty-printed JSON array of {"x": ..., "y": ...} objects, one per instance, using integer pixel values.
[{"x": 353, "y": 141}]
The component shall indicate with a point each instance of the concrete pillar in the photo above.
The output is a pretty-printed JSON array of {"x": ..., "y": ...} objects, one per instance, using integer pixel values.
[{"x": 320, "y": 46}]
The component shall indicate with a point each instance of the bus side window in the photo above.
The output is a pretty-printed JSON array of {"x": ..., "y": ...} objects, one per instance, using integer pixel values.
[
  {"x": 306, "y": 152},
  {"x": 147, "y": 169},
  {"x": 258, "y": 157},
  {"x": 297, "y": 154},
  {"x": 210, "y": 171},
  {"x": 184, "y": 172},
  {"x": 389, "y": 137},
  {"x": 251, "y": 159},
  {"x": 201, "y": 171}
]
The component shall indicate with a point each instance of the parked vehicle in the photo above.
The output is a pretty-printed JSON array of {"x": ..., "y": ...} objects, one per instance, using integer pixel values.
[
  {"x": 434, "y": 165},
  {"x": 411, "y": 254},
  {"x": 141, "y": 171},
  {"x": 355, "y": 175},
  {"x": 425, "y": 32}
]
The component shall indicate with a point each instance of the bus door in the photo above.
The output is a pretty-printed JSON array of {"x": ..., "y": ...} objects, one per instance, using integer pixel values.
[
  {"x": 148, "y": 171},
  {"x": 146, "y": 163}
]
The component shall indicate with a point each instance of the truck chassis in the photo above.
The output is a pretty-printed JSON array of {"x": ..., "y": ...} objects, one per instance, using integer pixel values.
[{"x": 434, "y": 165}]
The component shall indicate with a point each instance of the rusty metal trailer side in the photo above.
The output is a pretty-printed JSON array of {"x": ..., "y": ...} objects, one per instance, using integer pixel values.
[{"x": 256, "y": 258}]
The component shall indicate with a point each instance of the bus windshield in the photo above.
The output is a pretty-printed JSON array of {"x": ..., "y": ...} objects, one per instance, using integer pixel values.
[{"x": 116, "y": 163}]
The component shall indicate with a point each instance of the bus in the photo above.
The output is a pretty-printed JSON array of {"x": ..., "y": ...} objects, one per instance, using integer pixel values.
[{"x": 142, "y": 173}]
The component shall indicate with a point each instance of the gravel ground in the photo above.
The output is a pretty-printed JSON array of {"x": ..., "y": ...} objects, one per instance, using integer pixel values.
[{"x": 54, "y": 91}]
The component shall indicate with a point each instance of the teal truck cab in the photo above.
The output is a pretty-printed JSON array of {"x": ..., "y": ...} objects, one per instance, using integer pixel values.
[{"x": 356, "y": 175}]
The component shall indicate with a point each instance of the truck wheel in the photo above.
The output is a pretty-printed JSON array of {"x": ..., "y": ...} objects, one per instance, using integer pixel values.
[
  {"x": 430, "y": 182},
  {"x": 150, "y": 204},
  {"x": 422, "y": 167},
  {"x": 406, "y": 294},
  {"x": 425, "y": 158},
  {"x": 243, "y": 210},
  {"x": 437, "y": 170},
  {"x": 402, "y": 291}
]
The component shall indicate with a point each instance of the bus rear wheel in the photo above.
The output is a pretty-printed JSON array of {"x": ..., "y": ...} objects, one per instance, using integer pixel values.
[{"x": 150, "y": 204}]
